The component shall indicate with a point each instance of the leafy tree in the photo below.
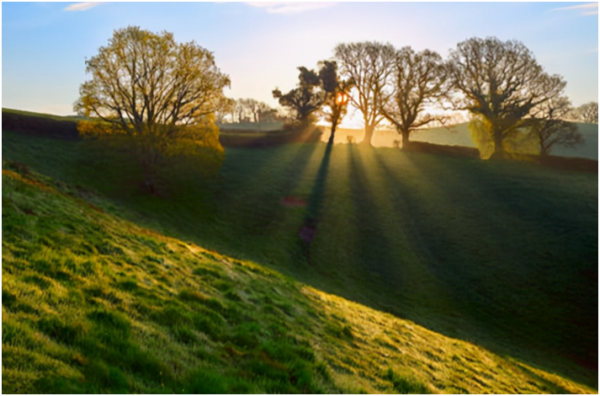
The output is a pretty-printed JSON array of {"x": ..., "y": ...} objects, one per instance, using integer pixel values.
[
  {"x": 500, "y": 81},
  {"x": 550, "y": 127},
  {"x": 417, "y": 81},
  {"x": 160, "y": 93},
  {"x": 369, "y": 64},
  {"x": 306, "y": 98},
  {"x": 587, "y": 113},
  {"x": 336, "y": 95}
]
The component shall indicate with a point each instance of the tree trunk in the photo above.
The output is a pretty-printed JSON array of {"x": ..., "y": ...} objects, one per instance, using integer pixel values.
[
  {"x": 332, "y": 136},
  {"x": 499, "y": 152},
  {"x": 368, "y": 135},
  {"x": 405, "y": 141}
]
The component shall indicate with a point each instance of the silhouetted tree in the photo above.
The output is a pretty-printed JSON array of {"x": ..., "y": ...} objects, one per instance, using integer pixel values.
[
  {"x": 253, "y": 108},
  {"x": 587, "y": 113},
  {"x": 550, "y": 127},
  {"x": 306, "y": 98},
  {"x": 417, "y": 80},
  {"x": 265, "y": 112},
  {"x": 157, "y": 91},
  {"x": 500, "y": 81},
  {"x": 368, "y": 64},
  {"x": 336, "y": 95}
]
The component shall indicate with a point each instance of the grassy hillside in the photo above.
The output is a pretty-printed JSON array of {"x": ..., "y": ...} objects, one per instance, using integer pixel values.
[
  {"x": 92, "y": 303},
  {"x": 503, "y": 255},
  {"x": 41, "y": 115}
]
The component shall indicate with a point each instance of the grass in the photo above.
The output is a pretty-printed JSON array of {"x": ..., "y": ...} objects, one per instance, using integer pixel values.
[
  {"x": 501, "y": 255},
  {"x": 95, "y": 304}
]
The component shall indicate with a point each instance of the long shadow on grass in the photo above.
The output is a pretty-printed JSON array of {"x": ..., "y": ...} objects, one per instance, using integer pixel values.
[
  {"x": 510, "y": 308},
  {"x": 248, "y": 200},
  {"x": 315, "y": 201},
  {"x": 541, "y": 228},
  {"x": 373, "y": 246}
]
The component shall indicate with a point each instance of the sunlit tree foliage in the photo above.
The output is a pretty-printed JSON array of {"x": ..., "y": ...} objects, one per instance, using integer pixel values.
[
  {"x": 160, "y": 93},
  {"x": 500, "y": 81}
]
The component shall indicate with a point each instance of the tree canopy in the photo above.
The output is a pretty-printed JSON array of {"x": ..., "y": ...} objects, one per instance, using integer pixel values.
[
  {"x": 156, "y": 91},
  {"x": 417, "y": 80},
  {"x": 336, "y": 95},
  {"x": 587, "y": 113},
  {"x": 550, "y": 126},
  {"x": 369, "y": 65},
  {"x": 500, "y": 81},
  {"x": 306, "y": 98}
]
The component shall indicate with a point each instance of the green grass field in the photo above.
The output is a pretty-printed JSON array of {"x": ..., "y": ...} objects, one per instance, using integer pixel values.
[{"x": 498, "y": 254}]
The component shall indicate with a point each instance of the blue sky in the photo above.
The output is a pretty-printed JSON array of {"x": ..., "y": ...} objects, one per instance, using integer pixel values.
[{"x": 260, "y": 45}]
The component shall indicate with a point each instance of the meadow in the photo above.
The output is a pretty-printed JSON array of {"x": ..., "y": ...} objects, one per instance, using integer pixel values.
[
  {"x": 503, "y": 255},
  {"x": 95, "y": 304},
  {"x": 498, "y": 254}
]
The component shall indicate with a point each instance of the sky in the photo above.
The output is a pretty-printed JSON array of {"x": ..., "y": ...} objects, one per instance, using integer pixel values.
[{"x": 260, "y": 45}]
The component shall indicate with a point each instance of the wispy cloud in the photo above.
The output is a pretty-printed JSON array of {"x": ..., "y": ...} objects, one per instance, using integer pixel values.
[
  {"x": 290, "y": 8},
  {"x": 81, "y": 6},
  {"x": 588, "y": 8}
]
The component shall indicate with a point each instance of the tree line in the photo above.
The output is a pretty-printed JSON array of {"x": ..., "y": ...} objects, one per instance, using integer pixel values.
[
  {"x": 168, "y": 96},
  {"x": 499, "y": 83}
]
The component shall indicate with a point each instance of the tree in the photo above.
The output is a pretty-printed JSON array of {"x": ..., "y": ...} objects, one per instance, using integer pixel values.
[
  {"x": 501, "y": 82},
  {"x": 227, "y": 109},
  {"x": 587, "y": 113},
  {"x": 550, "y": 128},
  {"x": 417, "y": 81},
  {"x": 241, "y": 109},
  {"x": 336, "y": 95},
  {"x": 306, "y": 98},
  {"x": 369, "y": 65},
  {"x": 265, "y": 112},
  {"x": 156, "y": 91}
]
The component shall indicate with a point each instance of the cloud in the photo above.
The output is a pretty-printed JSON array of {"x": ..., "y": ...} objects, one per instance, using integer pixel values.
[
  {"x": 290, "y": 8},
  {"x": 588, "y": 8},
  {"x": 81, "y": 6}
]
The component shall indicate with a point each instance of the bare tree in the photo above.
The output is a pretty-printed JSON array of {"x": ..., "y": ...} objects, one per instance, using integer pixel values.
[
  {"x": 550, "y": 127},
  {"x": 369, "y": 65},
  {"x": 417, "y": 81},
  {"x": 154, "y": 90},
  {"x": 587, "y": 113},
  {"x": 253, "y": 107},
  {"x": 500, "y": 81}
]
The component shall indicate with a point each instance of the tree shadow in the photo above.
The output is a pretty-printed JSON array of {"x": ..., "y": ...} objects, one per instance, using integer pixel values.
[
  {"x": 510, "y": 299},
  {"x": 310, "y": 223}
]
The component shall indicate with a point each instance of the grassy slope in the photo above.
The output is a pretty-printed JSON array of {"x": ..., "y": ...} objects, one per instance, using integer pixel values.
[
  {"x": 92, "y": 303},
  {"x": 501, "y": 254},
  {"x": 51, "y": 116}
]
